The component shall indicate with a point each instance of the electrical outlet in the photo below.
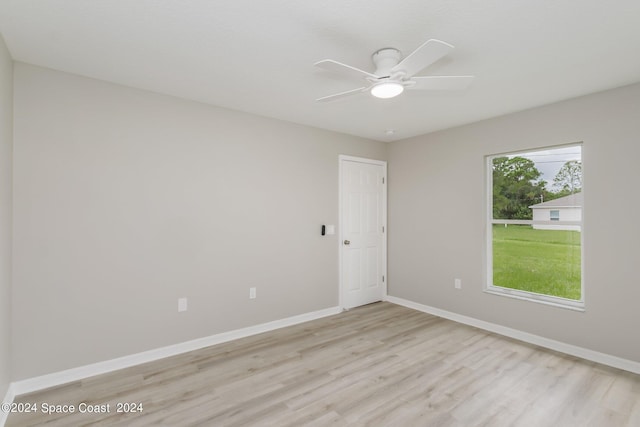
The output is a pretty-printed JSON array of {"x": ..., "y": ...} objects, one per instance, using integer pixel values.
[
  {"x": 457, "y": 283},
  {"x": 252, "y": 293},
  {"x": 182, "y": 304}
]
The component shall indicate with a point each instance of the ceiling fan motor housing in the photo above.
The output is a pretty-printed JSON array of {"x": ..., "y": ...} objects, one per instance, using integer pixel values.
[{"x": 385, "y": 59}]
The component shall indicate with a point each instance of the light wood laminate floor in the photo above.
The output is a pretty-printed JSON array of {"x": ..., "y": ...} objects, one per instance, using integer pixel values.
[{"x": 377, "y": 365}]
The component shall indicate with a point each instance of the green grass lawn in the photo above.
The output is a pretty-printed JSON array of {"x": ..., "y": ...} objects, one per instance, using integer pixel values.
[{"x": 542, "y": 261}]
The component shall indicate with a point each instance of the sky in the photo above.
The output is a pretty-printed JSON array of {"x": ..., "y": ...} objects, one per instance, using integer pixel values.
[{"x": 549, "y": 161}]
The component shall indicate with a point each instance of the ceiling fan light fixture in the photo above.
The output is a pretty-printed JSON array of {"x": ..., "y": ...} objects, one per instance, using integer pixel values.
[{"x": 387, "y": 90}]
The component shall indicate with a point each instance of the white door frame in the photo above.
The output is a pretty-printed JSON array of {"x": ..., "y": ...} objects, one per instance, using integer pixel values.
[{"x": 341, "y": 159}]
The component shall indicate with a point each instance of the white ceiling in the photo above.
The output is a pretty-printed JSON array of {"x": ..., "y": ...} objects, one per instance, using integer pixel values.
[{"x": 257, "y": 55}]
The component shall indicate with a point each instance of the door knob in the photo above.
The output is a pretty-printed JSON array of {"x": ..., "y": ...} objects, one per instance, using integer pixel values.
[{"x": 347, "y": 242}]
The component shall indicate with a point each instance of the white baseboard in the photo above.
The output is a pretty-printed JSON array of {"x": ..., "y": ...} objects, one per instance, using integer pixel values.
[
  {"x": 8, "y": 398},
  {"x": 584, "y": 353},
  {"x": 58, "y": 378}
]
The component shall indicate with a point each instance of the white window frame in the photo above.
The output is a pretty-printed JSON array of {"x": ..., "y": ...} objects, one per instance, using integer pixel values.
[{"x": 489, "y": 287}]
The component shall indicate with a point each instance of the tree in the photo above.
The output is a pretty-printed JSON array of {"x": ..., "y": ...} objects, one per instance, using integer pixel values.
[
  {"x": 568, "y": 180},
  {"x": 516, "y": 186}
]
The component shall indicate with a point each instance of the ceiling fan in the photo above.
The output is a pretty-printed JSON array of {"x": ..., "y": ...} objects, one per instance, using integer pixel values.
[{"x": 393, "y": 74}]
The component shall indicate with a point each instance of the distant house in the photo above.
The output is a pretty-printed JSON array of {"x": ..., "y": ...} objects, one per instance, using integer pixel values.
[{"x": 568, "y": 208}]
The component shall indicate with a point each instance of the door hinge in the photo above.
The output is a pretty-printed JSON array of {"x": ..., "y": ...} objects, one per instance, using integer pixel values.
[
  {"x": 382, "y": 279},
  {"x": 383, "y": 179},
  {"x": 383, "y": 228}
]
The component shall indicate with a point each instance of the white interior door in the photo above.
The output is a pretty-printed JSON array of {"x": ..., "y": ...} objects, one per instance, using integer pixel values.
[{"x": 362, "y": 231}]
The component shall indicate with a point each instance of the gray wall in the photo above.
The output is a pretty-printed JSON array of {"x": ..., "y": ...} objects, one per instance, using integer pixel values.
[
  {"x": 437, "y": 219},
  {"x": 126, "y": 200},
  {"x": 6, "y": 144}
]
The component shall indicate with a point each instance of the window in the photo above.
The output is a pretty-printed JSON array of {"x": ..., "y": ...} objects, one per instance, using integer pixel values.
[{"x": 533, "y": 252}]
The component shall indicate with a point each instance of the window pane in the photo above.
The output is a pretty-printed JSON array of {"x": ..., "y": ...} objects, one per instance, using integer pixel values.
[
  {"x": 528, "y": 181},
  {"x": 541, "y": 261}
]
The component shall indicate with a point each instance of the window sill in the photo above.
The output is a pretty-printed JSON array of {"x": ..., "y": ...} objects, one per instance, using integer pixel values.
[{"x": 537, "y": 298}]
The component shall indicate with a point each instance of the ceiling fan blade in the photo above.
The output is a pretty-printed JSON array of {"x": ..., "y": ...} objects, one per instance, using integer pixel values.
[
  {"x": 440, "y": 82},
  {"x": 422, "y": 57},
  {"x": 341, "y": 94},
  {"x": 339, "y": 67}
]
